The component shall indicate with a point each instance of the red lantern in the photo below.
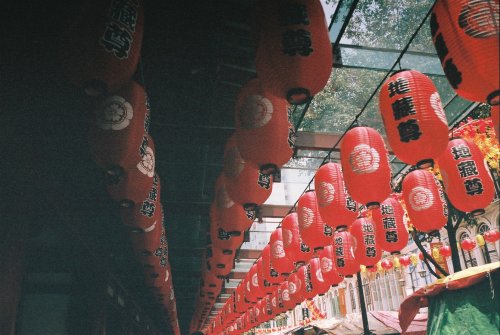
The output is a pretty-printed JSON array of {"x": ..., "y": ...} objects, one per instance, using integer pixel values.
[
  {"x": 241, "y": 304},
  {"x": 335, "y": 205},
  {"x": 142, "y": 215},
  {"x": 133, "y": 184},
  {"x": 219, "y": 261},
  {"x": 421, "y": 255},
  {"x": 343, "y": 244},
  {"x": 297, "y": 251},
  {"x": 280, "y": 261},
  {"x": 307, "y": 289},
  {"x": 145, "y": 241},
  {"x": 252, "y": 289},
  {"x": 295, "y": 288},
  {"x": 365, "y": 165},
  {"x": 386, "y": 264},
  {"x": 265, "y": 137},
  {"x": 223, "y": 239},
  {"x": 404, "y": 260},
  {"x": 230, "y": 215},
  {"x": 413, "y": 117},
  {"x": 288, "y": 303},
  {"x": 287, "y": 69},
  {"x": 392, "y": 235},
  {"x": 492, "y": 236},
  {"x": 244, "y": 183},
  {"x": 367, "y": 250},
  {"x": 468, "y": 244},
  {"x": 269, "y": 273},
  {"x": 261, "y": 293},
  {"x": 425, "y": 201},
  {"x": 93, "y": 56},
  {"x": 313, "y": 230},
  {"x": 465, "y": 34},
  {"x": 319, "y": 282},
  {"x": 328, "y": 268},
  {"x": 466, "y": 178},
  {"x": 445, "y": 251},
  {"x": 211, "y": 283},
  {"x": 277, "y": 300}
]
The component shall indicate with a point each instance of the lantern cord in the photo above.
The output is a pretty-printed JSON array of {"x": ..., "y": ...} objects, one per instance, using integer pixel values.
[
  {"x": 427, "y": 257},
  {"x": 355, "y": 121}
]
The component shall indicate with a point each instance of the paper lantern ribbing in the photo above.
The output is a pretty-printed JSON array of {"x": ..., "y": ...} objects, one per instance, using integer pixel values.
[
  {"x": 392, "y": 235},
  {"x": 465, "y": 34},
  {"x": 313, "y": 230},
  {"x": 269, "y": 273},
  {"x": 335, "y": 205},
  {"x": 365, "y": 165},
  {"x": 367, "y": 250},
  {"x": 288, "y": 303},
  {"x": 244, "y": 183},
  {"x": 264, "y": 136},
  {"x": 293, "y": 55},
  {"x": 466, "y": 178},
  {"x": 295, "y": 249},
  {"x": 319, "y": 282},
  {"x": 343, "y": 257},
  {"x": 328, "y": 268},
  {"x": 295, "y": 288},
  {"x": 413, "y": 117},
  {"x": 101, "y": 47},
  {"x": 425, "y": 201},
  {"x": 279, "y": 259}
]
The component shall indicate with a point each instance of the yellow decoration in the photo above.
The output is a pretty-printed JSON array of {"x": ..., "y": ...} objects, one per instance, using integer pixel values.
[
  {"x": 396, "y": 262},
  {"x": 435, "y": 253},
  {"x": 362, "y": 268},
  {"x": 379, "y": 267},
  {"x": 414, "y": 259},
  {"x": 480, "y": 239}
]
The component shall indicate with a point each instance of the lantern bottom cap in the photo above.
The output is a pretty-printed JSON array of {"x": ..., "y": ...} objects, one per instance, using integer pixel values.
[
  {"x": 298, "y": 95},
  {"x": 349, "y": 276},
  {"x": 425, "y": 163},
  {"x": 396, "y": 253},
  {"x": 269, "y": 168},
  {"x": 373, "y": 205},
  {"x": 477, "y": 212},
  {"x": 250, "y": 206}
]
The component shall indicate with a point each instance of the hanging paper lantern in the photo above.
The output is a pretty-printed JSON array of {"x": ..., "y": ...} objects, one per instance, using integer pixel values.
[
  {"x": 425, "y": 202},
  {"x": 295, "y": 249},
  {"x": 101, "y": 47},
  {"x": 288, "y": 303},
  {"x": 307, "y": 289},
  {"x": 467, "y": 244},
  {"x": 367, "y": 251},
  {"x": 465, "y": 34},
  {"x": 220, "y": 261},
  {"x": 244, "y": 183},
  {"x": 230, "y": 215},
  {"x": 294, "y": 54},
  {"x": 365, "y": 165},
  {"x": 133, "y": 184},
  {"x": 445, "y": 251},
  {"x": 295, "y": 287},
  {"x": 252, "y": 289},
  {"x": 421, "y": 255},
  {"x": 413, "y": 117},
  {"x": 277, "y": 300},
  {"x": 386, "y": 264},
  {"x": 313, "y": 230},
  {"x": 492, "y": 236},
  {"x": 269, "y": 273},
  {"x": 261, "y": 293},
  {"x": 211, "y": 283},
  {"x": 221, "y": 238},
  {"x": 319, "y": 282},
  {"x": 466, "y": 178},
  {"x": 142, "y": 216},
  {"x": 279, "y": 259},
  {"x": 335, "y": 205},
  {"x": 344, "y": 260},
  {"x": 328, "y": 268},
  {"x": 392, "y": 235},
  {"x": 145, "y": 241},
  {"x": 241, "y": 304},
  {"x": 264, "y": 136}
]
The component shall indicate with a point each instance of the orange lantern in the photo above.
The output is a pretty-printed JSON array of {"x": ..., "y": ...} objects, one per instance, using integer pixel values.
[
  {"x": 265, "y": 137},
  {"x": 279, "y": 260},
  {"x": 343, "y": 244},
  {"x": 245, "y": 184},
  {"x": 313, "y": 230},
  {"x": 413, "y": 117},
  {"x": 294, "y": 54},
  {"x": 335, "y": 205},
  {"x": 367, "y": 251},
  {"x": 101, "y": 47},
  {"x": 295, "y": 249},
  {"x": 392, "y": 235},
  {"x": 365, "y": 165},
  {"x": 466, "y": 178},
  {"x": 425, "y": 202},
  {"x": 465, "y": 34}
]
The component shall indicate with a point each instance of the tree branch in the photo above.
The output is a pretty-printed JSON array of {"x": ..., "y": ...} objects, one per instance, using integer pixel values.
[{"x": 428, "y": 258}]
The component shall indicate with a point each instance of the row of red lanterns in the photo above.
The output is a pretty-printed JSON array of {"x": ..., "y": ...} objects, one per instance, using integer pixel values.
[{"x": 102, "y": 61}]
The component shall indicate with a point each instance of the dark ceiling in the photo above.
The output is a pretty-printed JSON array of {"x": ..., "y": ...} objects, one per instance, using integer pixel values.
[{"x": 195, "y": 56}]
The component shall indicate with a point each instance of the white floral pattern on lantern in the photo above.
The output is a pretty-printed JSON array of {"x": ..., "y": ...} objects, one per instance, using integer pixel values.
[
  {"x": 319, "y": 275},
  {"x": 436, "y": 105},
  {"x": 326, "y": 194},
  {"x": 287, "y": 237},
  {"x": 256, "y": 112},
  {"x": 277, "y": 249},
  {"x": 147, "y": 163},
  {"x": 114, "y": 113},
  {"x": 364, "y": 159},
  {"x": 420, "y": 198},
  {"x": 285, "y": 294},
  {"x": 292, "y": 288},
  {"x": 273, "y": 301},
  {"x": 255, "y": 280},
  {"x": 307, "y": 217},
  {"x": 326, "y": 264}
]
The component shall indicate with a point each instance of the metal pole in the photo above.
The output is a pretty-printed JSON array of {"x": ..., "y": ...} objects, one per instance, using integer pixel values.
[{"x": 364, "y": 316}]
